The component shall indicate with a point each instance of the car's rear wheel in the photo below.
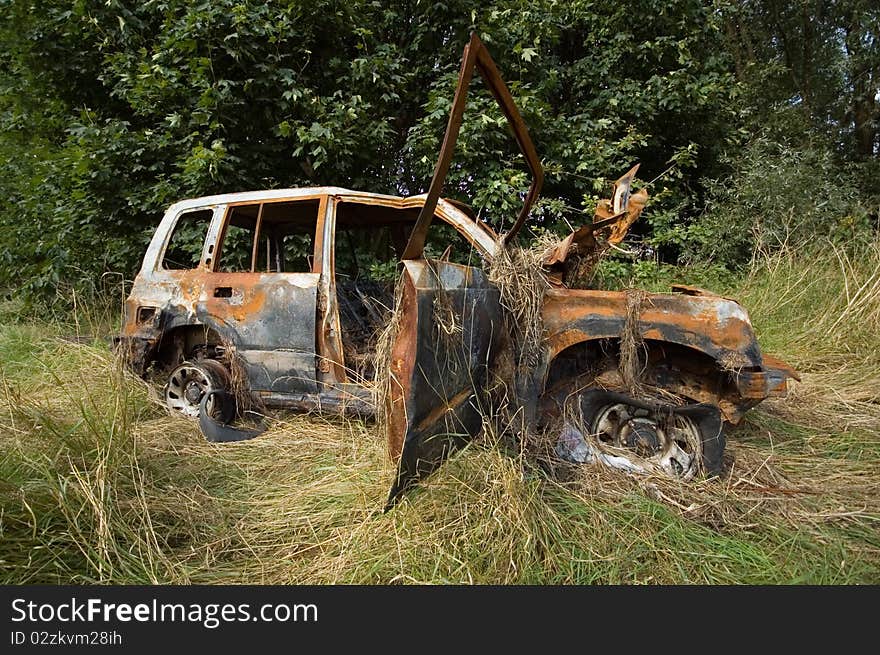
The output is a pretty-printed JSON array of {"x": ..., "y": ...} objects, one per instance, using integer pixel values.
[{"x": 188, "y": 383}]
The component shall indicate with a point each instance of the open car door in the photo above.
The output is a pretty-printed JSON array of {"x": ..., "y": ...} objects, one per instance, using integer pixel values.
[{"x": 449, "y": 314}]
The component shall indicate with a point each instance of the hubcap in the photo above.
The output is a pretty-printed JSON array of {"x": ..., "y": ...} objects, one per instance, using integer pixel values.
[
  {"x": 641, "y": 436},
  {"x": 194, "y": 392}
]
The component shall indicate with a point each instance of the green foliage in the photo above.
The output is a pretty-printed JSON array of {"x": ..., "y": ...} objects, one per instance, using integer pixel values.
[
  {"x": 780, "y": 194},
  {"x": 810, "y": 68},
  {"x": 383, "y": 271},
  {"x": 804, "y": 162},
  {"x": 617, "y": 272},
  {"x": 112, "y": 110},
  {"x": 148, "y": 103},
  {"x": 599, "y": 91}
]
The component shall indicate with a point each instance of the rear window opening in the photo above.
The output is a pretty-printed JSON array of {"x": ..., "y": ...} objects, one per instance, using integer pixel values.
[
  {"x": 184, "y": 249},
  {"x": 277, "y": 237}
]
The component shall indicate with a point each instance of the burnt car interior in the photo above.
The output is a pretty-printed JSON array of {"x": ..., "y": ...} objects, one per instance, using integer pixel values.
[{"x": 369, "y": 242}]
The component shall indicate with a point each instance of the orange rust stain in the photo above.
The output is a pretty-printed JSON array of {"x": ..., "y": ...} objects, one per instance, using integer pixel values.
[
  {"x": 251, "y": 304},
  {"x": 773, "y": 362},
  {"x": 248, "y": 298},
  {"x": 191, "y": 285},
  {"x": 403, "y": 354},
  {"x": 563, "y": 308},
  {"x": 130, "y": 327},
  {"x": 450, "y": 405},
  {"x": 753, "y": 388}
]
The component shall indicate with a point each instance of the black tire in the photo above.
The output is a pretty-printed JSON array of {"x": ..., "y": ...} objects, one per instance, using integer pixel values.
[
  {"x": 705, "y": 416},
  {"x": 217, "y": 432}
]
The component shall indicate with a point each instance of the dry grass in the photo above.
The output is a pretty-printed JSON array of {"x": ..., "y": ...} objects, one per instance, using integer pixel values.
[
  {"x": 518, "y": 274},
  {"x": 632, "y": 346},
  {"x": 838, "y": 347},
  {"x": 98, "y": 483}
]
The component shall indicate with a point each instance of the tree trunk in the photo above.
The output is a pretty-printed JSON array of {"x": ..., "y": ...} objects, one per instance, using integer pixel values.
[{"x": 864, "y": 74}]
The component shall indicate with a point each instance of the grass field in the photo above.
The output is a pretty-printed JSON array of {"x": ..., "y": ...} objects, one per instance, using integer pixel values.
[{"x": 99, "y": 484}]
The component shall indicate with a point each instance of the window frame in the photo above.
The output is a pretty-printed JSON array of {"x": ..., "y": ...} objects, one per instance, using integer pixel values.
[
  {"x": 210, "y": 233},
  {"x": 227, "y": 215}
]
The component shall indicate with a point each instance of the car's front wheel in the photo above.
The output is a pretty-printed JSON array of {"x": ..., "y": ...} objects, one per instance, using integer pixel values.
[{"x": 644, "y": 436}]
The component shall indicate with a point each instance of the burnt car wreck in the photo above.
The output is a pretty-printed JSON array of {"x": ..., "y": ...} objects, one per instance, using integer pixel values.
[{"x": 279, "y": 299}]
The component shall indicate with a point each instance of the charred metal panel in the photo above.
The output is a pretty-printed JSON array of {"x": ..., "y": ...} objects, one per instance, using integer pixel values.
[
  {"x": 279, "y": 370},
  {"x": 735, "y": 377},
  {"x": 450, "y": 318},
  {"x": 270, "y": 312},
  {"x": 762, "y": 384},
  {"x": 713, "y": 325},
  {"x": 266, "y": 310},
  {"x": 261, "y": 314},
  {"x": 334, "y": 401}
]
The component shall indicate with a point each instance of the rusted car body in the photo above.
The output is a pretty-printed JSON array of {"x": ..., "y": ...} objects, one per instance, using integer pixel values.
[
  {"x": 283, "y": 325},
  {"x": 302, "y": 334}
]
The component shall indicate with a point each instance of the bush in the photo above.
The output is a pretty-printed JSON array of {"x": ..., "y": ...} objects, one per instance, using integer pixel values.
[{"x": 779, "y": 193}]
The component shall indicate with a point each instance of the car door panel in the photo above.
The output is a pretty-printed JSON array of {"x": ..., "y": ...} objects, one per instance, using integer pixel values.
[{"x": 450, "y": 318}]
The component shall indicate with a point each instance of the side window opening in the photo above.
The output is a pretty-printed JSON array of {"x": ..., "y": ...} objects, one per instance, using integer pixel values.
[
  {"x": 184, "y": 249},
  {"x": 272, "y": 237},
  {"x": 238, "y": 240},
  {"x": 298, "y": 250},
  {"x": 369, "y": 242}
]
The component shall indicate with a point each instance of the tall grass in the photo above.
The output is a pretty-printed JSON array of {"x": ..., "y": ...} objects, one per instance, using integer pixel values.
[
  {"x": 99, "y": 484},
  {"x": 822, "y": 309}
]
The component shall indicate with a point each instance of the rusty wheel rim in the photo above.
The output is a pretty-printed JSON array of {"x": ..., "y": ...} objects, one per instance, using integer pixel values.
[
  {"x": 671, "y": 444},
  {"x": 186, "y": 386}
]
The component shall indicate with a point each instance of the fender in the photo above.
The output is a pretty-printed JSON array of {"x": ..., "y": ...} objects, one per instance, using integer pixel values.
[{"x": 716, "y": 326}]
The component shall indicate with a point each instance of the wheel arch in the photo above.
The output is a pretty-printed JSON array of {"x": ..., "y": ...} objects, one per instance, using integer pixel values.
[
  {"x": 180, "y": 339},
  {"x": 681, "y": 368}
]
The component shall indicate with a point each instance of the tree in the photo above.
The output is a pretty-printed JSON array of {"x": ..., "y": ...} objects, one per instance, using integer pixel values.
[
  {"x": 113, "y": 109},
  {"x": 819, "y": 57}
]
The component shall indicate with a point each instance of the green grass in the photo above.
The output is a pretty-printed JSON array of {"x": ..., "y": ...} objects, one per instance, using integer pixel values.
[{"x": 99, "y": 484}]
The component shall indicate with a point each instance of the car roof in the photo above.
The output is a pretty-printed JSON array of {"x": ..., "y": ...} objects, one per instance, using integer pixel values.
[{"x": 302, "y": 192}]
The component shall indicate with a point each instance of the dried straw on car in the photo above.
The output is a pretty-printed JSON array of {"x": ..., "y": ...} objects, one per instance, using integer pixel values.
[{"x": 632, "y": 345}]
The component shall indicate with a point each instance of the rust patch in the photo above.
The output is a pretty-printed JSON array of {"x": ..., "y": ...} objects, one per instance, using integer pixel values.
[
  {"x": 773, "y": 362},
  {"x": 402, "y": 368},
  {"x": 572, "y": 316},
  {"x": 573, "y": 261},
  {"x": 244, "y": 300}
]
